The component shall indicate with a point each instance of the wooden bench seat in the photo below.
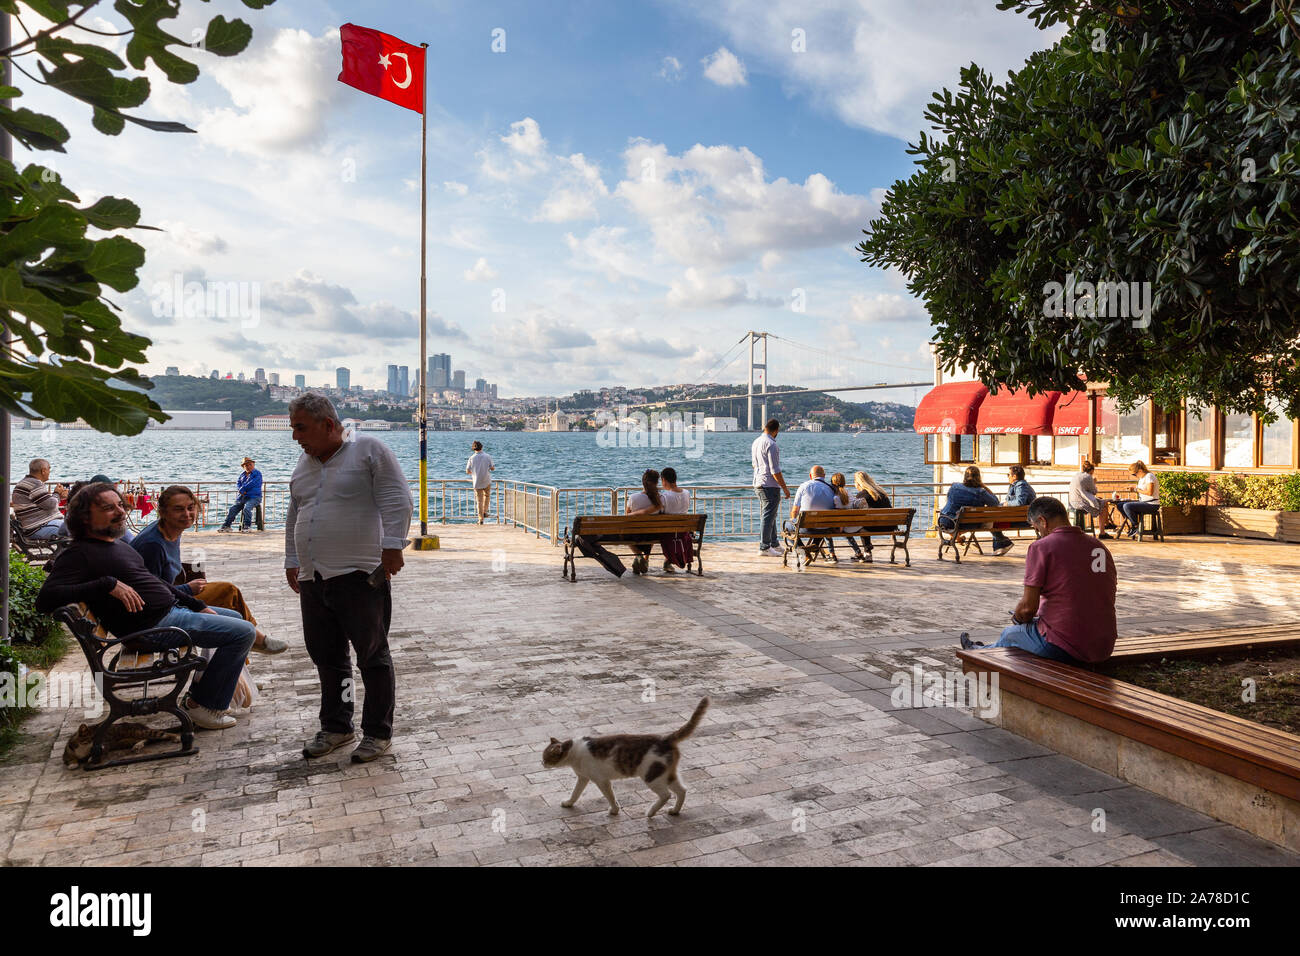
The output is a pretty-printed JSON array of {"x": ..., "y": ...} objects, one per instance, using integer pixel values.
[
  {"x": 896, "y": 523},
  {"x": 136, "y": 690},
  {"x": 1232, "y": 639},
  {"x": 644, "y": 531},
  {"x": 980, "y": 518},
  {"x": 1258, "y": 755}
]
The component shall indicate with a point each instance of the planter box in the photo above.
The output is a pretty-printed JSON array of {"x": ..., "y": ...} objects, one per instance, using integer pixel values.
[
  {"x": 1291, "y": 526},
  {"x": 1244, "y": 522},
  {"x": 1175, "y": 522}
]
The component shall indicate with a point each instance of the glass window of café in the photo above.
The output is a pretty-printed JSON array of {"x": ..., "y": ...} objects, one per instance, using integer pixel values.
[
  {"x": 1277, "y": 439},
  {"x": 1200, "y": 435},
  {"x": 1000, "y": 450},
  {"x": 1238, "y": 440},
  {"x": 1067, "y": 450},
  {"x": 1166, "y": 431},
  {"x": 1123, "y": 437}
]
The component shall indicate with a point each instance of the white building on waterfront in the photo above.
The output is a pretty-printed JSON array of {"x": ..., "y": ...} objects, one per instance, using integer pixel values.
[
  {"x": 272, "y": 423},
  {"x": 712, "y": 424},
  {"x": 193, "y": 420}
]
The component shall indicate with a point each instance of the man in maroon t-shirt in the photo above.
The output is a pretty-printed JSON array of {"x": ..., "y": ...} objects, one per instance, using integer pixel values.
[{"x": 1067, "y": 612}]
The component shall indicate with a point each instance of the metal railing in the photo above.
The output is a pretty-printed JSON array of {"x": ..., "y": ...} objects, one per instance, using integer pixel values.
[{"x": 547, "y": 511}]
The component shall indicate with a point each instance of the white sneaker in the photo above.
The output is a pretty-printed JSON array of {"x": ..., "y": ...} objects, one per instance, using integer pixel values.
[
  {"x": 207, "y": 719},
  {"x": 775, "y": 552}
]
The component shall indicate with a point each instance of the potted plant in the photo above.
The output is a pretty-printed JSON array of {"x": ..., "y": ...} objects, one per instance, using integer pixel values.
[
  {"x": 1182, "y": 501},
  {"x": 1256, "y": 506}
]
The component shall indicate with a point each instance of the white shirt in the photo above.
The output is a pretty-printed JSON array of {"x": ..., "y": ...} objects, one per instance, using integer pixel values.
[
  {"x": 344, "y": 512},
  {"x": 480, "y": 466},
  {"x": 675, "y": 502},
  {"x": 1148, "y": 488},
  {"x": 766, "y": 458},
  {"x": 636, "y": 502}
]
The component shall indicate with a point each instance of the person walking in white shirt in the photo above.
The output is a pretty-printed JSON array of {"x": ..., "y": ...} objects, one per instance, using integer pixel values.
[
  {"x": 481, "y": 467},
  {"x": 769, "y": 484},
  {"x": 349, "y": 514}
]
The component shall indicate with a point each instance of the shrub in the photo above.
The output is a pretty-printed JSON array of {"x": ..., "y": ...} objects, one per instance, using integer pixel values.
[
  {"x": 1182, "y": 489},
  {"x": 1266, "y": 492},
  {"x": 26, "y": 626}
]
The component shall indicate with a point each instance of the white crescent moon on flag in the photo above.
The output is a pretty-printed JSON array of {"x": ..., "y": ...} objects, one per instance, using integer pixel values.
[{"x": 404, "y": 85}]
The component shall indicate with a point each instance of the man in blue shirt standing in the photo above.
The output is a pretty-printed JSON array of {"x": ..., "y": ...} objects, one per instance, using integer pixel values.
[
  {"x": 815, "y": 494},
  {"x": 249, "y": 491}
]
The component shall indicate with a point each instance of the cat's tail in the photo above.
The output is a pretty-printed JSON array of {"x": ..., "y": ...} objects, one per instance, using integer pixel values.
[{"x": 688, "y": 728}]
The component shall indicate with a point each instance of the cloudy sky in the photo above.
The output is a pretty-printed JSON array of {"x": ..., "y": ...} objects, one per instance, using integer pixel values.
[{"x": 615, "y": 197}]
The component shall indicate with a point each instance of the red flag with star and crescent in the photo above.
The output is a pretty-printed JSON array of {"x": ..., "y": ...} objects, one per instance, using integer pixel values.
[{"x": 383, "y": 66}]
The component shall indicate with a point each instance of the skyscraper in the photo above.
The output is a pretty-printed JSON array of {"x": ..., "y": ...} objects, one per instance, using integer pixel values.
[
  {"x": 275, "y": 378},
  {"x": 300, "y": 381},
  {"x": 393, "y": 383},
  {"x": 439, "y": 370},
  {"x": 458, "y": 380},
  {"x": 403, "y": 381},
  {"x": 480, "y": 385},
  {"x": 342, "y": 378},
  {"x": 260, "y": 376}
]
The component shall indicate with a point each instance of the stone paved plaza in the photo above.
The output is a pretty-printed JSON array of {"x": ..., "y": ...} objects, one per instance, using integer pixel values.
[{"x": 801, "y": 760}]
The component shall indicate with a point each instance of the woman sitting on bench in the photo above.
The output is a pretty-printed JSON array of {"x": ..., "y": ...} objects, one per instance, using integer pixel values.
[
  {"x": 645, "y": 502},
  {"x": 867, "y": 494}
]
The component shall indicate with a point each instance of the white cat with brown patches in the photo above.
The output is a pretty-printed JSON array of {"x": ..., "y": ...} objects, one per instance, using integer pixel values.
[{"x": 651, "y": 757}]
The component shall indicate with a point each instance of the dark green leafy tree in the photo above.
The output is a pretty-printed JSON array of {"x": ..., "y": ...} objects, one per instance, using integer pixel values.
[
  {"x": 69, "y": 354},
  {"x": 1158, "y": 143}
]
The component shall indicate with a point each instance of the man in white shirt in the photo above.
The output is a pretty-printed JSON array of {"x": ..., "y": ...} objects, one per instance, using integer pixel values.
[
  {"x": 769, "y": 483},
  {"x": 481, "y": 467},
  {"x": 349, "y": 514}
]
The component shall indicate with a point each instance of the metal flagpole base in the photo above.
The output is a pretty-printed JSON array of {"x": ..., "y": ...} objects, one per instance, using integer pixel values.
[{"x": 425, "y": 542}]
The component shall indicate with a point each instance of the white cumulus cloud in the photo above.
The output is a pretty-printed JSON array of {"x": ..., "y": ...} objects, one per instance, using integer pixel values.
[{"x": 724, "y": 68}]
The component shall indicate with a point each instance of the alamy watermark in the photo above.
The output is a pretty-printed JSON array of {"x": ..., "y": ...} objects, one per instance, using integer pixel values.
[
  {"x": 919, "y": 687},
  {"x": 57, "y": 689},
  {"x": 621, "y": 429},
  {"x": 1122, "y": 300},
  {"x": 208, "y": 300}
]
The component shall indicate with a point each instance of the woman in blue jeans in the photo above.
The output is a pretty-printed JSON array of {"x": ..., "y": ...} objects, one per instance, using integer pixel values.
[
  {"x": 1148, "y": 498},
  {"x": 971, "y": 492}
]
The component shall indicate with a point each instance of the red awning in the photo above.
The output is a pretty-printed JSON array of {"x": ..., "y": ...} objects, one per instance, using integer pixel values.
[
  {"x": 1016, "y": 413},
  {"x": 1071, "y": 415},
  {"x": 950, "y": 409}
]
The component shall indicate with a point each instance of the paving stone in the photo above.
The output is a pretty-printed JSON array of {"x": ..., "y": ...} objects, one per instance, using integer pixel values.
[{"x": 802, "y": 759}]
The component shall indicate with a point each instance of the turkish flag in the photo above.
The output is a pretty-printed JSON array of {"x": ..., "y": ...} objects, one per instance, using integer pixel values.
[{"x": 383, "y": 66}]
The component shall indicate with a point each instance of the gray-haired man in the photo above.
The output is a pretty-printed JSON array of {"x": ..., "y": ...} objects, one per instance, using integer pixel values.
[{"x": 349, "y": 514}]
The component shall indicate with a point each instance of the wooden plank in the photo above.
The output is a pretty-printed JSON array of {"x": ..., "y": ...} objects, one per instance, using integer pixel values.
[{"x": 1232, "y": 745}]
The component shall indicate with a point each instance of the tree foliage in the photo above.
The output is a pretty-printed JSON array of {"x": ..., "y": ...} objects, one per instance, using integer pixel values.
[
  {"x": 1157, "y": 143},
  {"x": 70, "y": 354}
]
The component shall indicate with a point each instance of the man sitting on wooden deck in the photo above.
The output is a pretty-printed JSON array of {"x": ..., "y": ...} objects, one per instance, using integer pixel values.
[{"x": 1067, "y": 611}]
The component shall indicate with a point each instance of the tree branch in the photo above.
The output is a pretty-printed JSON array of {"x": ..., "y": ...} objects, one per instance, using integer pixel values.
[{"x": 71, "y": 21}]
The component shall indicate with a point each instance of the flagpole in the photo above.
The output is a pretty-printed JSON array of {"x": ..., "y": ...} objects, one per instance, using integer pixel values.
[{"x": 424, "y": 541}]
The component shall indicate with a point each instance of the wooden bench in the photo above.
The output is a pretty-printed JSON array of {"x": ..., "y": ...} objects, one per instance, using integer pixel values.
[
  {"x": 869, "y": 522},
  {"x": 643, "y": 531},
  {"x": 127, "y": 689},
  {"x": 35, "y": 549},
  {"x": 981, "y": 518},
  {"x": 1258, "y": 755},
  {"x": 1231, "y": 639}
]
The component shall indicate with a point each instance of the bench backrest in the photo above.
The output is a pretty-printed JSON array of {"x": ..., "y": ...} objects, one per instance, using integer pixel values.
[
  {"x": 885, "y": 519},
  {"x": 638, "y": 524},
  {"x": 982, "y": 514}
]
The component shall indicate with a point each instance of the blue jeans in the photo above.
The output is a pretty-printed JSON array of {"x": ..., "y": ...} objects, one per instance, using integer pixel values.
[
  {"x": 1027, "y": 638},
  {"x": 769, "y": 501},
  {"x": 247, "y": 505},
  {"x": 47, "y": 530},
  {"x": 228, "y": 634},
  {"x": 1000, "y": 540},
  {"x": 1134, "y": 510}
]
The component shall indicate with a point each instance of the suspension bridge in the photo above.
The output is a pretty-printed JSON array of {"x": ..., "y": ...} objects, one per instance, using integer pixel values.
[{"x": 827, "y": 372}]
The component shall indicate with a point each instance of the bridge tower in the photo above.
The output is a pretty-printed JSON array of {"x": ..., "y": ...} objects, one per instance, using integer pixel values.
[{"x": 761, "y": 369}]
